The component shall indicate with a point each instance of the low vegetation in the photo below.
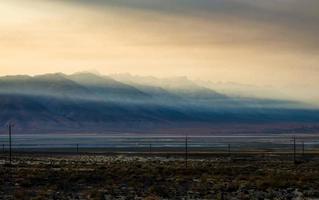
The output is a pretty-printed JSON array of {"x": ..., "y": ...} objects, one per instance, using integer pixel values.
[{"x": 127, "y": 177}]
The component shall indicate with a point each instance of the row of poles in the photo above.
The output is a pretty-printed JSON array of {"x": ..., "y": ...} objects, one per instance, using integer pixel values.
[
  {"x": 10, "y": 126},
  {"x": 228, "y": 148}
]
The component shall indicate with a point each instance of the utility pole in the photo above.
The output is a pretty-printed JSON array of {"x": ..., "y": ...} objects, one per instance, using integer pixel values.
[
  {"x": 10, "y": 142},
  {"x": 3, "y": 149},
  {"x": 150, "y": 148},
  {"x": 77, "y": 148},
  {"x": 294, "y": 138},
  {"x": 303, "y": 148},
  {"x": 186, "y": 150},
  {"x": 229, "y": 149}
]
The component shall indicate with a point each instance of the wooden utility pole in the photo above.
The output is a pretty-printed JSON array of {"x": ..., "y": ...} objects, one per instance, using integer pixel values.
[
  {"x": 10, "y": 142},
  {"x": 303, "y": 148},
  {"x": 186, "y": 150},
  {"x": 77, "y": 148},
  {"x": 294, "y": 138}
]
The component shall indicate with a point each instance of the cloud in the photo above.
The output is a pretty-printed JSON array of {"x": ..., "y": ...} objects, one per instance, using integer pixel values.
[
  {"x": 289, "y": 24},
  {"x": 248, "y": 41}
]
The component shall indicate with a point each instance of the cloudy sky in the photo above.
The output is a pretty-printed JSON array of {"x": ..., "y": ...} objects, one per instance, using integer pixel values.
[{"x": 260, "y": 42}]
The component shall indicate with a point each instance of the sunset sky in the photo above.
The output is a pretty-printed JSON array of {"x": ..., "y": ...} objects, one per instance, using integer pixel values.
[{"x": 260, "y": 42}]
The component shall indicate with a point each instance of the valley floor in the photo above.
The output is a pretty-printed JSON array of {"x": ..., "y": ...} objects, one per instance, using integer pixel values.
[{"x": 158, "y": 176}]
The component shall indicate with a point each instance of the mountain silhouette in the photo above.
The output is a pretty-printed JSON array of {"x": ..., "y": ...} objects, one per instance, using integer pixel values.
[{"x": 87, "y": 101}]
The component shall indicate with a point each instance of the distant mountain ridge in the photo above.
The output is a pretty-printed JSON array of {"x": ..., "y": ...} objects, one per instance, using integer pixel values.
[{"x": 90, "y": 101}]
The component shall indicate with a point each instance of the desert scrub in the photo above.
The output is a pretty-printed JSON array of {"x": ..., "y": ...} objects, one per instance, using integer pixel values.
[{"x": 130, "y": 178}]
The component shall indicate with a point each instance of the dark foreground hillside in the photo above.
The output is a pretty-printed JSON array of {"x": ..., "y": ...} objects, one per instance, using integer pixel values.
[{"x": 131, "y": 177}]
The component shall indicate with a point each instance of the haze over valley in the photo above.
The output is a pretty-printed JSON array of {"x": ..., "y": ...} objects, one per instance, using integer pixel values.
[{"x": 87, "y": 101}]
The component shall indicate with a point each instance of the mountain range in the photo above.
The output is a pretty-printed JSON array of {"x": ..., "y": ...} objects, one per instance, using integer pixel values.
[{"x": 92, "y": 102}]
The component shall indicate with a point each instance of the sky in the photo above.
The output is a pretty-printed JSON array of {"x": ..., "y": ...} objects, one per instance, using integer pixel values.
[{"x": 258, "y": 42}]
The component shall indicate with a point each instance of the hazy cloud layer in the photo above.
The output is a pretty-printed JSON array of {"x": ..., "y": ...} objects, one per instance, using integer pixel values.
[
  {"x": 297, "y": 19},
  {"x": 273, "y": 42}
]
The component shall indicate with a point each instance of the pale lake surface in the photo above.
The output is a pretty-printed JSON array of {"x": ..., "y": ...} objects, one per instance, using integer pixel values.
[{"x": 263, "y": 142}]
